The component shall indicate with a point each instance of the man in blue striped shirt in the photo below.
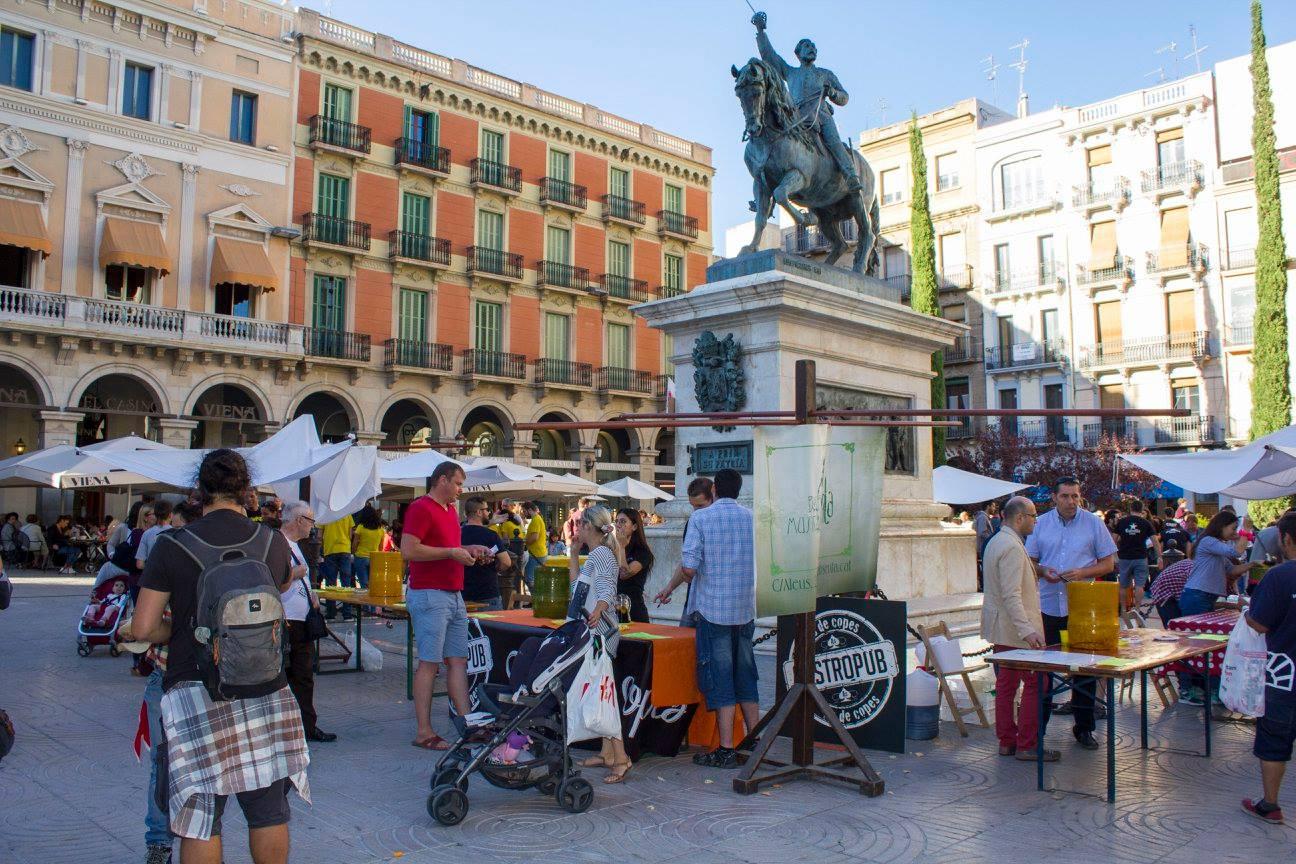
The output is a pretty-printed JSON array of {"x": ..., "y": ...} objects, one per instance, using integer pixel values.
[{"x": 718, "y": 562}]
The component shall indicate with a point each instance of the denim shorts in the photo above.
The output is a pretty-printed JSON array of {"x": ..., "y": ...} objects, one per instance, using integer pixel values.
[
  {"x": 726, "y": 663},
  {"x": 1133, "y": 571},
  {"x": 440, "y": 622},
  {"x": 1275, "y": 731}
]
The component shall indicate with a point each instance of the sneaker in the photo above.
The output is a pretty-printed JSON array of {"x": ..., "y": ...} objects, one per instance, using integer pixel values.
[
  {"x": 1031, "y": 756},
  {"x": 157, "y": 854},
  {"x": 1193, "y": 697},
  {"x": 1260, "y": 810},
  {"x": 721, "y": 757}
]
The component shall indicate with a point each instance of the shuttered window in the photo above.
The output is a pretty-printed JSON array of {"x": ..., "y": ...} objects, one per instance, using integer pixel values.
[
  {"x": 488, "y": 330},
  {"x": 619, "y": 182},
  {"x": 1102, "y": 246},
  {"x": 1109, "y": 323},
  {"x": 558, "y": 244},
  {"x": 1181, "y": 317},
  {"x": 334, "y": 198},
  {"x": 416, "y": 214},
  {"x": 618, "y": 346},
  {"x": 490, "y": 230},
  {"x": 411, "y": 323},
  {"x": 560, "y": 165},
  {"x": 492, "y": 145},
  {"x": 328, "y": 310},
  {"x": 673, "y": 272},
  {"x": 674, "y": 200},
  {"x": 1174, "y": 238},
  {"x": 557, "y": 336},
  {"x": 337, "y": 103},
  {"x": 618, "y": 258}
]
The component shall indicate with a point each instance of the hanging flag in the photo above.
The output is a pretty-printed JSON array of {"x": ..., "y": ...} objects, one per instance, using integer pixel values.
[{"x": 142, "y": 738}]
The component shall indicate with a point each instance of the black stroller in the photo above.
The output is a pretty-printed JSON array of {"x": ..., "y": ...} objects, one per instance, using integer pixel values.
[{"x": 533, "y": 705}]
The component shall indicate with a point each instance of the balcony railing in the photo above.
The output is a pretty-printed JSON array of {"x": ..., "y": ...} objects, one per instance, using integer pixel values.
[
  {"x": 1240, "y": 259},
  {"x": 661, "y": 385},
  {"x": 25, "y": 303},
  {"x": 955, "y": 280},
  {"x": 496, "y": 174},
  {"x": 1045, "y": 276},
  {"x": 624, "y": 288},
  {"x": 1023, "y": 354},
  {"x": 1121, "y": 270},
  {"x": 670, "y": 222},
  {"x": 418, "y": 355},
  {"x": 1173, "y": 176},
  {"x": 420, "y": 154},
  {"x": 500, "y": 364},
  {"x": 1197, "y": 429},
  {"x": 805, "y": 240},
  {"x": 572, "y": 374},
  {"x": 495, "y": 262},
  {"x": 419, "y": 247},
  {"x": 336, "y": 344},
  {"x": 339, "y": 133},
  {"x": 558, "y": 275},
  {"x": 669, "y": 291},
  {"x": 961, "y": 350},
  {"x": 1039, "y": 431},
  {"x": 1241, "y": 333},
  {"x": 1113, "y": 194},
  {"x": 1174, "y": 346},
  {"x": 135, "y": 316},
  {"x": 1196, "y": 259},
  {"x": 1027, "y": 197},
  {"x": 966, "y": 429},
  {"x": 625, "y": 380},
  {"x": 623, "y": 209},
  {"x": 1154, "y": 432},
  {"x": 336, "y": 232},
  {"x": 561, "y": 192},
  {"x": 903, "y": 283},
  {"x": 1111, "y": 427},
  {"x": 234, "y": 328}
]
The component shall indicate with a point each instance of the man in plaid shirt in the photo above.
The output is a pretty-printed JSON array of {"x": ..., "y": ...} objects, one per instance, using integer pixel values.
[
  {"x": 718, "y": 561},
  {"x": 1169, "y": 584}
]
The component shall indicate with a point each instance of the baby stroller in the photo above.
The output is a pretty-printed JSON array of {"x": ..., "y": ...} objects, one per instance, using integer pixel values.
[
  {"x": 112, "y": 610},
  {"x": 532, "y": 706}
]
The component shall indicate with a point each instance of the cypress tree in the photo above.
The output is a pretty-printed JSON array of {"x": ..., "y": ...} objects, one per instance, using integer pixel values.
[
  {"x": 923, "y": 292},
  {"x": 1270, "y": 381}
]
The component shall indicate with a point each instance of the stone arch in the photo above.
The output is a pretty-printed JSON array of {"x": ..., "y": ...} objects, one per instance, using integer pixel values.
[
  {"x": 145, "y": 377},
  {"x": 419, "y": 403},
  {"x": 230, "y": 425},
  {"x": 488, "y": 427},
  {"x": 23, "y": 365},
  {"x": 341, "y": 396},
  {"x": 555, "y": 444},
  {"x": 254, "y": 390}
]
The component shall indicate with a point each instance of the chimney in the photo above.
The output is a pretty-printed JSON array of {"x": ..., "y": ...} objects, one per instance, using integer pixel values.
[{"x": 1023, "y": 104}]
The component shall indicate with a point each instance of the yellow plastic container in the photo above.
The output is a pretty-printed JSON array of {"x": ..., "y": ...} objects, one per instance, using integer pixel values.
[
  {"x": 1093, "y": 620},
  {"x": 386, "y": 576}
]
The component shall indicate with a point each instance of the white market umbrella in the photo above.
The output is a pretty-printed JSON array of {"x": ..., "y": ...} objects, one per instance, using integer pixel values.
[
  {"x": 1265, "y": 468},
  {"x": 345, "y": 484},
  {"x": 64, "y": 466},
  {"x": 954, "y": 486},
  {"x": 415, "y": 468},
  {"x": 629, "y": 487},
  {"x": 497, "y": 477}
]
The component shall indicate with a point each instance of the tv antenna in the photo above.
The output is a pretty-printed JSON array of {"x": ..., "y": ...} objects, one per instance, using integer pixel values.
[
  {"x": 1159, "y": 72},
  {"x": 1168, "y": 48},
  {"x": 1020, "y": 65},
  {"x": 1196, "y": 53},
  {"x": 883, "y": 105},
  {"x": 992, "y": 75}
]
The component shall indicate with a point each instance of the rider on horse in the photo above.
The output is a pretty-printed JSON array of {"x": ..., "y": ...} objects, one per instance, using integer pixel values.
[{"x": 809, "y": 85}]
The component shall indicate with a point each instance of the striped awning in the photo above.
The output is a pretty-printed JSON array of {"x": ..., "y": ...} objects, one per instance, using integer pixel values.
[
  {"x": 22, "y": 224},
  {"x": 138, "y": 244},
  {"x": 242, "y": 263}
]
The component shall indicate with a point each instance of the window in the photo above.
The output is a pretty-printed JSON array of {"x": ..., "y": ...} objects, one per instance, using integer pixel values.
[
  {"x": 243, "y": 109},
  {"x": 618, "y": 346},
  {"x": 236, "y": 300},
  {"x": 16, "y": 51},
  {"x": 558, "y": 245},
  {"x": 1008, "y": 399},
  {"x": 1241, "y": 305},
  {"x": 557, "y": 337},
  {"x": 1102, "y": 246},
  {"x": 892, "y": 188},
  {"x": 1101, "y": 174},
  {"x": 1003, "y": 268},
  {"x": 619, "y": 182},
  {"x": 1007, "y": 335},
  {"x": 1047, "y": 267},
  {"x": 1174, "y": 238},
  {"x": 137, "y": 91},
  {"x": 416, "y": 214},
  {"x": 1056, "y": 426},
  {"x": 1108, "y": 318},
  {"x": 492, "y": 146},
  {"x": 1021, "y": 182},
  {"x": 128, "y": 283},
  {"x": 1240, "y": 229},
  {"x": 1186, "y": 394},
  {"x": 1170, "y": 149},
  {"x": 337, "y": 103},
  {"x": 488, "y": 326},
  {"x": 618, "y": 258},
  {"x": 560, "y": 165},
  {"x": 14, "y": 266},
  {"x": 329, "y": 310},
  {"x": 674, "y": 199},
  {"x": 1181, "y": 316},
  {"x": 333, "y": 207},
  {"x": 897, "y": 261},
  {"x": 952, "y": 260},
  {"x": 490, "y": 230},
  {"x": 959, "y": 395},
  {"x": 1049, "y": 326},
  {"x": 422, "y": 128},
  {"x": 673, "y": 273},
  {"x": 947, "y": 175},
  {"x": 411, "y": 320}
]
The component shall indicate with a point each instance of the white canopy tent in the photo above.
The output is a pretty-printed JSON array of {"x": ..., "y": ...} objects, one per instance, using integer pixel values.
[
  {"x": 1265, "y": 468},
  {"x": 955, "y": 486},
  {"x": 66, "y": 467},
  {"x": 629, "y": 487},
  {"x": 485, "y": 475}
]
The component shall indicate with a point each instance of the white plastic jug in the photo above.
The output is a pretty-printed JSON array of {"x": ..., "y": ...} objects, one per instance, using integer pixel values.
[
  {"x": 948, "y": 654},
  {"x": 921, "y": 688}
]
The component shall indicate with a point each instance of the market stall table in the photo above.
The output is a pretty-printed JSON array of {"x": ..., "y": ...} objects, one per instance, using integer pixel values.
[
  {"x": 1139, "y": 651},
  {"x": 1219, "y": 622}
]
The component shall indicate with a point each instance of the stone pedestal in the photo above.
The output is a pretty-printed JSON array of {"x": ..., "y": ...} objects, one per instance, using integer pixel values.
[{"x": 870, "y": 351}]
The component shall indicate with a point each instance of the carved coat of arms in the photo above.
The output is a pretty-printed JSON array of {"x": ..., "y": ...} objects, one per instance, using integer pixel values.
[{"x": 717, "y": 374}]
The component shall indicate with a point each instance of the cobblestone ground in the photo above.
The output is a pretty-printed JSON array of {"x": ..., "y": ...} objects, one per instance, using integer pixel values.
[{"x": 72, "y": 791}]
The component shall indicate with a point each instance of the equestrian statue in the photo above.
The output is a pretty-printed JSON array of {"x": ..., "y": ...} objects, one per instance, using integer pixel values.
[{"x": 795, "y": 154}]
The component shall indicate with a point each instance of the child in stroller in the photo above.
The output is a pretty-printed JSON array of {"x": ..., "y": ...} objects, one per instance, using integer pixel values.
[
  {"x": 518, "y": 737},
  {"x": 106, "y": 609}
]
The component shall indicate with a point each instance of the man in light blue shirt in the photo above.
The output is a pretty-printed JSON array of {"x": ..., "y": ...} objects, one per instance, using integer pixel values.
[{"x": 1069, "y": 544}]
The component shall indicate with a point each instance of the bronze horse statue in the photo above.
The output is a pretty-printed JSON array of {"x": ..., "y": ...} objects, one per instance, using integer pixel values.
[{"x": 789, "y": 166}]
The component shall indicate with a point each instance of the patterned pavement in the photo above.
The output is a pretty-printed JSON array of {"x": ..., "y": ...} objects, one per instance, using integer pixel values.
[{"x": 72, "y": 792}]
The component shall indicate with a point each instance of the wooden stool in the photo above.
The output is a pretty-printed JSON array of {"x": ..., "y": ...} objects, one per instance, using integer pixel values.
[
  {"x": 1165, "y": 690},
  {"x": 926, "y": 633}
]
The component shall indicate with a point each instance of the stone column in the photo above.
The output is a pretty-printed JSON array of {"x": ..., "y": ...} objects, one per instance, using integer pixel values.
[
  {"x": 585, "y": 455},
  {"x": 519, "y": 448},
  {"x": 59, "y": 427},
  {"x": 184, "y": 273},
  {"x": 177, "y": 432},
  {"x": 373, "y": 439},
  {"x": 647, "y": 460},
  {"x": 70, "y": 249}
]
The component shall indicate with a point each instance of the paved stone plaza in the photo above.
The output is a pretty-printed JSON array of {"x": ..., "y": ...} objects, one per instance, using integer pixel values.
[{"x": 72, "y": 792}]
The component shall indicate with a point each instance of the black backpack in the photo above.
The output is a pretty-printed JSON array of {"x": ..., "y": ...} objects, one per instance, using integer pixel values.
[{"x": 124, "y": 555}]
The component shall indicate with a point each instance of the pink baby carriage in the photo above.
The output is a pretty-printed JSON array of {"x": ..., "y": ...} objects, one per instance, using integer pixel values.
[{"x": 99, "y": 620}]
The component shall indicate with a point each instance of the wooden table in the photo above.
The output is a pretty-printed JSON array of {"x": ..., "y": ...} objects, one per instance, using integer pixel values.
[
  {"x": 1138, "y": 652},
  {"x": 1219, "y": 621}
]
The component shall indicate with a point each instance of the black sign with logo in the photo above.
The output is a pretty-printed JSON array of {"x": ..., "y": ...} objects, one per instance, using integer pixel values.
[
  {"x": 859, "y": 668},
  {"x": 710, "y": 458}
]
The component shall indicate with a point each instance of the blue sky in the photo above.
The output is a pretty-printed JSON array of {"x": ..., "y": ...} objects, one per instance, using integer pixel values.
[{"x": 666, "y": 62}]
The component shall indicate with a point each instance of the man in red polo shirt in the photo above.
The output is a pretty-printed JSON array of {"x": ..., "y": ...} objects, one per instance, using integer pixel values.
[{"x": 430, "y": 543}]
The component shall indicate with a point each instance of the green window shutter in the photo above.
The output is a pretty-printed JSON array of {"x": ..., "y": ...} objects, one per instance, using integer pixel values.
[
  {"x": 329, "y": 307},
  {"x": 674, "y": 272},
  {"x": 337, "y": 103},
  {"x": 668, "y": 351},
  {"x": 619, "y": 183},
  {"x": 558, "y": 245},
  {"x": 416, "y": 214},
  {"x": 618, "y": 258},
  {"x": 492, "y": 145},
  {"x": 334, "y": 197},
  {"x": 422, "y": 127},
  {"x": 674, "y": 199},
  {"x": 412, "y": 323},
  {"x": 560, "y": 165},
  {"x": 488, "y": 318},
  {"x": 557, "y": 335},
  {"x": 618, "y": 351},
  {"x": 490, "y": 230}
]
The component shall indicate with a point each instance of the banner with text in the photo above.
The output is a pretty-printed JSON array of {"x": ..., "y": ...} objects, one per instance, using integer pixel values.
[{"x": 817, "y": 498}]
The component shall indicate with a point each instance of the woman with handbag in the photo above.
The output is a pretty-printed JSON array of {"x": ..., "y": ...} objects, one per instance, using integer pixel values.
[
  {"x": 594, "y": 589},
  {"x": 305, "y": 620}
]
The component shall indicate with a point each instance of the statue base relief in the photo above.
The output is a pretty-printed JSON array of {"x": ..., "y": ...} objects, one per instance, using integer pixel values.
[{"x": 870, "y": 351}]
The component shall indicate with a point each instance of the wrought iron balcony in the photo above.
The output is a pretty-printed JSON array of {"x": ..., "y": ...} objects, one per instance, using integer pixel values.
[
  {"x": 1195, "y": 260},
  {"x": 805, "y": 240},
  {"x": 497, "y": 364},
  {"x": 1119, "y": 428},
  {"x": 418, "y": 355},
  {"x": 494, "y": 262},
  {"x": 562, "y": 193},
  {"x": 419, "y": 247},
  {"x": 420, "y": 154},
  {"x": 956, "y": 280},
  {"x": 961, "y": 350},
  {"x": 669, "y": 291},
  {"x": 903, "y": 282},
  {"x": 625, "y": 380},
  {"x": 1182, "y": 431},
  {"x": 670, "y": 222},
  {"x": 1044, "y": 277},
  {"x": 564, "y": 372},
  {"x": 1240, "y": 259},
  {"x": 1023, "y": 354},
  {"x": 967, "y": 428},
  {"x": 1174, "y": 177},
  {"x": 497, "y": 175},
  {"x": 624, "y": 287},
  {"x": 558, "y": 275},
  {"x": 346, "y": 233},
  {"x": 1194, "y": 346},
  {"x": 336, "y": 344},
  {"x": 1120, "y": 270},
  {"x": 1241, "y": 333},
  {"x": 339, "y": 134},
  {"x": 1038, "y": 432},
  {"x": 1088, "y": 196},
  {"x": 618, "y": 209}
]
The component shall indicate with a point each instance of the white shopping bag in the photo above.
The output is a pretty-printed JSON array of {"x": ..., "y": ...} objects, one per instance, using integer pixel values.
[
  {"x": 1242, "y": 679},
  {"x": 592, "y": 710},
  {"x": 370, "y": 655}
]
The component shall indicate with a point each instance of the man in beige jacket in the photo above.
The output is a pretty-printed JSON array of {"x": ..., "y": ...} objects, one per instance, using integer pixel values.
[{"x": 1010, "y": 618}]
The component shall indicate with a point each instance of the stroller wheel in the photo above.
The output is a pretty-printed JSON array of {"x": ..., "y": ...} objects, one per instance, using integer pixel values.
[
  {"x": 547, "y": 786},
  {"x": 449, "y": 776},
  {"x": 83, "y": 648},
  {"x": 575, "y": 794},
  {"x": 448, "y": 805}
]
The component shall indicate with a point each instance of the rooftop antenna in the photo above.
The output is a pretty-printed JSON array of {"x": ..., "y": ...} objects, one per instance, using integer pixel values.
[
  {"x": 883, "y": 105},
  {"x": 1020, "y": 66},
  {"x": 1159, "y": 72},
  {"x": 992, "y": 75},
  {"x": 1196, "y": 53},
  {"x": 1168, "y": 48}
]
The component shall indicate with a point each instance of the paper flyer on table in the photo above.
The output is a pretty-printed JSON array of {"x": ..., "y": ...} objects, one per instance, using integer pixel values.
[{"x": 1069, "y": 659}]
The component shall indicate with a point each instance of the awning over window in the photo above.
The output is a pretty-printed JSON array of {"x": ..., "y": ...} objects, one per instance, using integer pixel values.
[
  {"x": 1169, "y": 135},
  {"x": 1174, "y": 238},
  {"x": 1100, "y": 156},
  {"x": 1102, "y": 254},
  {"x": 22, "y": 225},
  {"x": 243, "y": 263},
  {"x": 138, "y": 244}
]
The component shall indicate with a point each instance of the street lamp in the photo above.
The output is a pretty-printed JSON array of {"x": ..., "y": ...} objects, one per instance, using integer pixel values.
[{"x": 19, "y": 447}]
